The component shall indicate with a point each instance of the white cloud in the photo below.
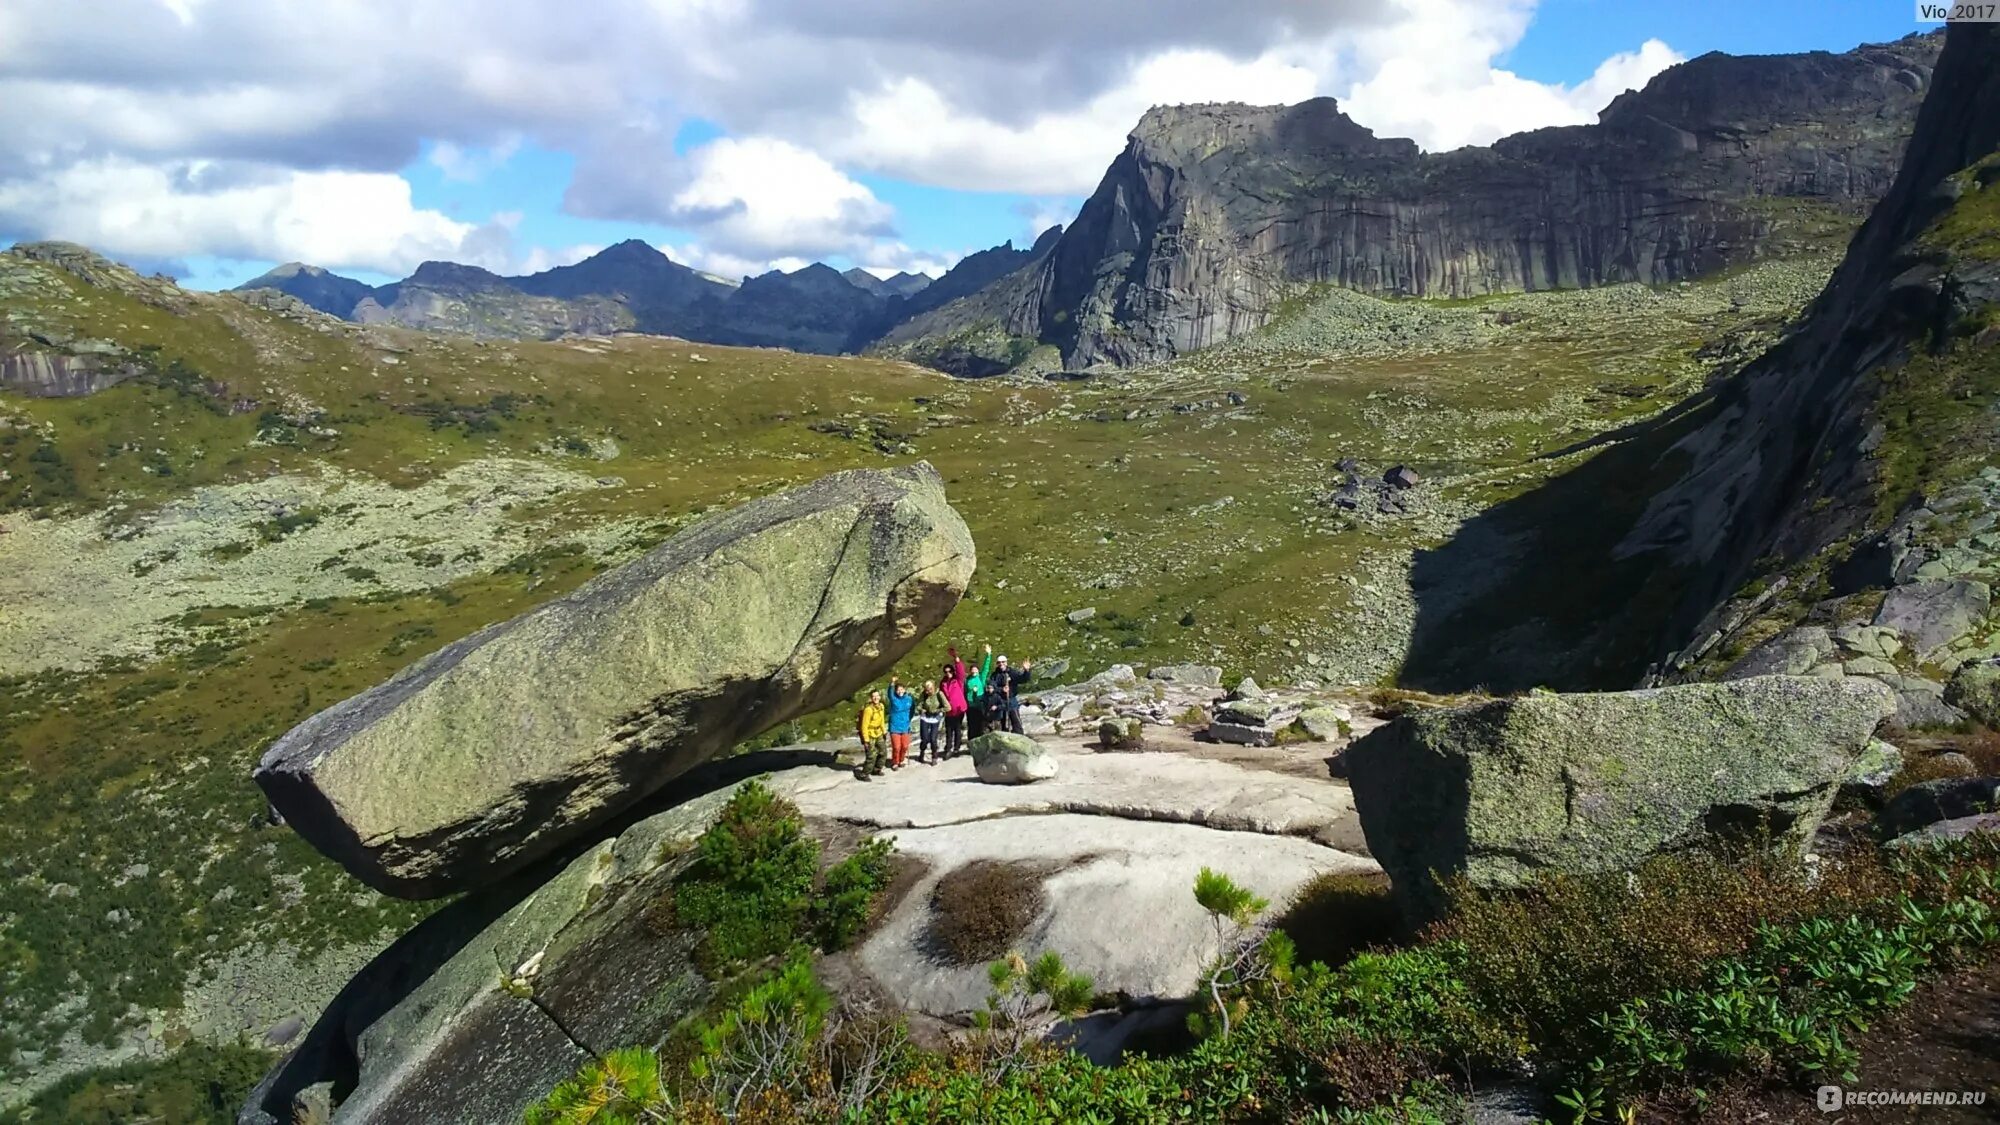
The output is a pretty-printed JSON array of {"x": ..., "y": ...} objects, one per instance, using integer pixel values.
[
  {"x": 457, "y": 162},
  {"x": 761, "y": 195},
  {"x": 357, "y": 220},
  {"x": 1033, "y": 97}
]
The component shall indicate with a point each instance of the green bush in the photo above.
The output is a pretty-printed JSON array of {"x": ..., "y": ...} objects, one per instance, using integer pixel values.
[
  {"x": 750, "y": 886},
  {"x": 1789, "y": 1005},
  {"x": 847, "y": 893},
  {"x": 1543, "y": 962}
]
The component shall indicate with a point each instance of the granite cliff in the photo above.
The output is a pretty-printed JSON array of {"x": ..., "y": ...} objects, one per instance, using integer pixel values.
[{"x": 1214, "y": 214}]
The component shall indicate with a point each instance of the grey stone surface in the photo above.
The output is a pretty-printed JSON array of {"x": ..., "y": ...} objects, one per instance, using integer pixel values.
[
  {"x": 1002, "y": 758},
  {"x": 1928, "y": 802},
  {"x": 1119, "y": 906},
  {"x": 1501, "y": 790},
  {"x": 1933, "y": 613},
  {"x": 1203, "y": 675},
  {"x": 1956, "y": 828},
  {"x": 495, "y": 750},
  {"x": 1242, "y": 734}
]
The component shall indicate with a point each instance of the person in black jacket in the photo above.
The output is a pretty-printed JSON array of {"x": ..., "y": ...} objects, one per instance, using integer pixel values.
[{"x": 1003, "y": 694}]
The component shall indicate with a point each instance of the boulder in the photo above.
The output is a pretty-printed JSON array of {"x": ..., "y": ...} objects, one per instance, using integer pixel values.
[
  {"x": 501, "y": 747},
  {"x": 1247, "y": 688},
  {"x": 1928, "y": 802},
  {"x": 1873, "y": 771},
  {"x": 1957, "y": 828},
  {"x": 1243, "y": 734},
  {"x": 1122, "y": 733},
  {"x": 1869, "y": 640},
  {"x": 1003, "y": 758},
  {"x": 1402, "y": 476},
  {"x": 1975, "y": 690},
  {"x": 1324, "y": 724},
  {"x": 1791, "y": 653},
  {"x": 1935, "y": 612},
  {"x": 1079, "y": 616},
  {"x": 1258, "y": 712},
  {"x": 1200, "y": 675},
  {"x": 1501, "y": 790},
  {"x": 1920, "y": 703}
]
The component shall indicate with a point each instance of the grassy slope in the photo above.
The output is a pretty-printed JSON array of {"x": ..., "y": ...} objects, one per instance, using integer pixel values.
[{"x": 1147, "y": 495}]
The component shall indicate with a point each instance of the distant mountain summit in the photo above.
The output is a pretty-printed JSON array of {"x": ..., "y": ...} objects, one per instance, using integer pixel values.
[
  {"x": 632, "y": 286},
  {"x": 905, "y": 284},
  {"x": 327, "y": 292}
]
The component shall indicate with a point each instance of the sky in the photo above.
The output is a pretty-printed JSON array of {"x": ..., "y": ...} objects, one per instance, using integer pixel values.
[{"x": 211, "y": 139}]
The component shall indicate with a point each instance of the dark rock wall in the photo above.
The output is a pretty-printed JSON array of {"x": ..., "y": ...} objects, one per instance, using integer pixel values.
[{"x": 1213, "y": 212}]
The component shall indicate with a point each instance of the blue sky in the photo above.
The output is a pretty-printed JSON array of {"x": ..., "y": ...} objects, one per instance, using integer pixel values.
[{"x": 218, "y": 137}]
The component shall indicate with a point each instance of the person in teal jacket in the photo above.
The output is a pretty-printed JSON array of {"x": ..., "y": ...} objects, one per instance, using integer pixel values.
[{"x": 975, "y": 692}]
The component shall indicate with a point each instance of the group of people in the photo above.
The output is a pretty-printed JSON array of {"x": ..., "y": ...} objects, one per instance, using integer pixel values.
[{"x": 961, "y": 704}]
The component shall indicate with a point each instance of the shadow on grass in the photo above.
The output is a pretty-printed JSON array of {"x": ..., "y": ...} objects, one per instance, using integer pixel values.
[{"x": 1529, "y": 592}]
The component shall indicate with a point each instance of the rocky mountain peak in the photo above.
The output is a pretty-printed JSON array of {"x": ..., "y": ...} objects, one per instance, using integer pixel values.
[
  {"x": 453, "y": 275},
  {"x": 1195, "y": 132}
]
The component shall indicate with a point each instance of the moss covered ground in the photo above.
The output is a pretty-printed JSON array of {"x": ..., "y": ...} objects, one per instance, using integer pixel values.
[{"x": 283, "y": 510}]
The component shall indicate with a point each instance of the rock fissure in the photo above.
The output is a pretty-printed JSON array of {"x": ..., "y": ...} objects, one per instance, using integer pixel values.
[{"x": 1086, "y": 808}]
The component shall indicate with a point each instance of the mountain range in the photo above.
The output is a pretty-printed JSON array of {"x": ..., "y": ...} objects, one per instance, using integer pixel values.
[
  {"x": 1214, "y": 215},
  {"x": 634, "y": 287}
]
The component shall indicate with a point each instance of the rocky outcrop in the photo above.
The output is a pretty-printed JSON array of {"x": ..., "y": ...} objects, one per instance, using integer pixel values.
[
  {"x": 1215, "y": 213},
  {"x": 495, "y": 750},
  {"x": 987, "y": 325},
  {"x": 54, "y": 374},
  {"x": 1499, "y": 791},
  {"x": 1928, "y": 802},
  {"x": 1842, "y": 451},
  {"x": 1003, "y": 758},
  {"x": 485, "y": 1006}
]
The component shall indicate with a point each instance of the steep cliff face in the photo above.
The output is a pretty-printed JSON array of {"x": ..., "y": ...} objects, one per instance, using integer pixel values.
[
  {"x": 1214, "y": 212},
  {"x": 1823, "y": 465}
]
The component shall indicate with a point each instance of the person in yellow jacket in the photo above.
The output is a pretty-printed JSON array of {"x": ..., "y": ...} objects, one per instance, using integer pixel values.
[{"x": 874, "y": 731}]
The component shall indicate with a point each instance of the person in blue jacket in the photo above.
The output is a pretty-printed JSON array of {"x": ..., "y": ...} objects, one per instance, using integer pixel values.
[{"x": 902, "y": 712}]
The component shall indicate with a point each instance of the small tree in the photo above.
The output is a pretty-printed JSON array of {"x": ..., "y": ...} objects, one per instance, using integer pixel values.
[
  {"x": 621, "y": 1088},
  {"x": 1247, "y": 949},
  {"x": 1024, "y": 996},
  {"x": 765, "y": 1040}
]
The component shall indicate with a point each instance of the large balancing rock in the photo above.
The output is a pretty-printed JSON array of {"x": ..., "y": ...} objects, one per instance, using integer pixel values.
[
  {"x": 497, "y": 749},
  {"x": 1499, "y": 791}
]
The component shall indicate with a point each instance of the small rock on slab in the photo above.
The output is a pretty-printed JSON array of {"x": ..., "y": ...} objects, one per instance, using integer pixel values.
[
  {"x": 1122, "y": 734},
  {"x": 1201, "y": 675},
  {"x": 1242, "y": 734},
  {"x": 1004, "y": 758}
]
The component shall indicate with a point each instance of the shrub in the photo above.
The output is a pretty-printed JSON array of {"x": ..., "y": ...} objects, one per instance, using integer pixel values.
[
  {"x": 1788, "y": 1005},
  {"x": 847, "y": 894},
  {"x": 1337, "y": 915},
  {"x": 750, "y": 886},
  {"x": 1548, "y": 959},
  {"x": 979, "y": 910},
  {"x": 622, "y": 1088}
]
